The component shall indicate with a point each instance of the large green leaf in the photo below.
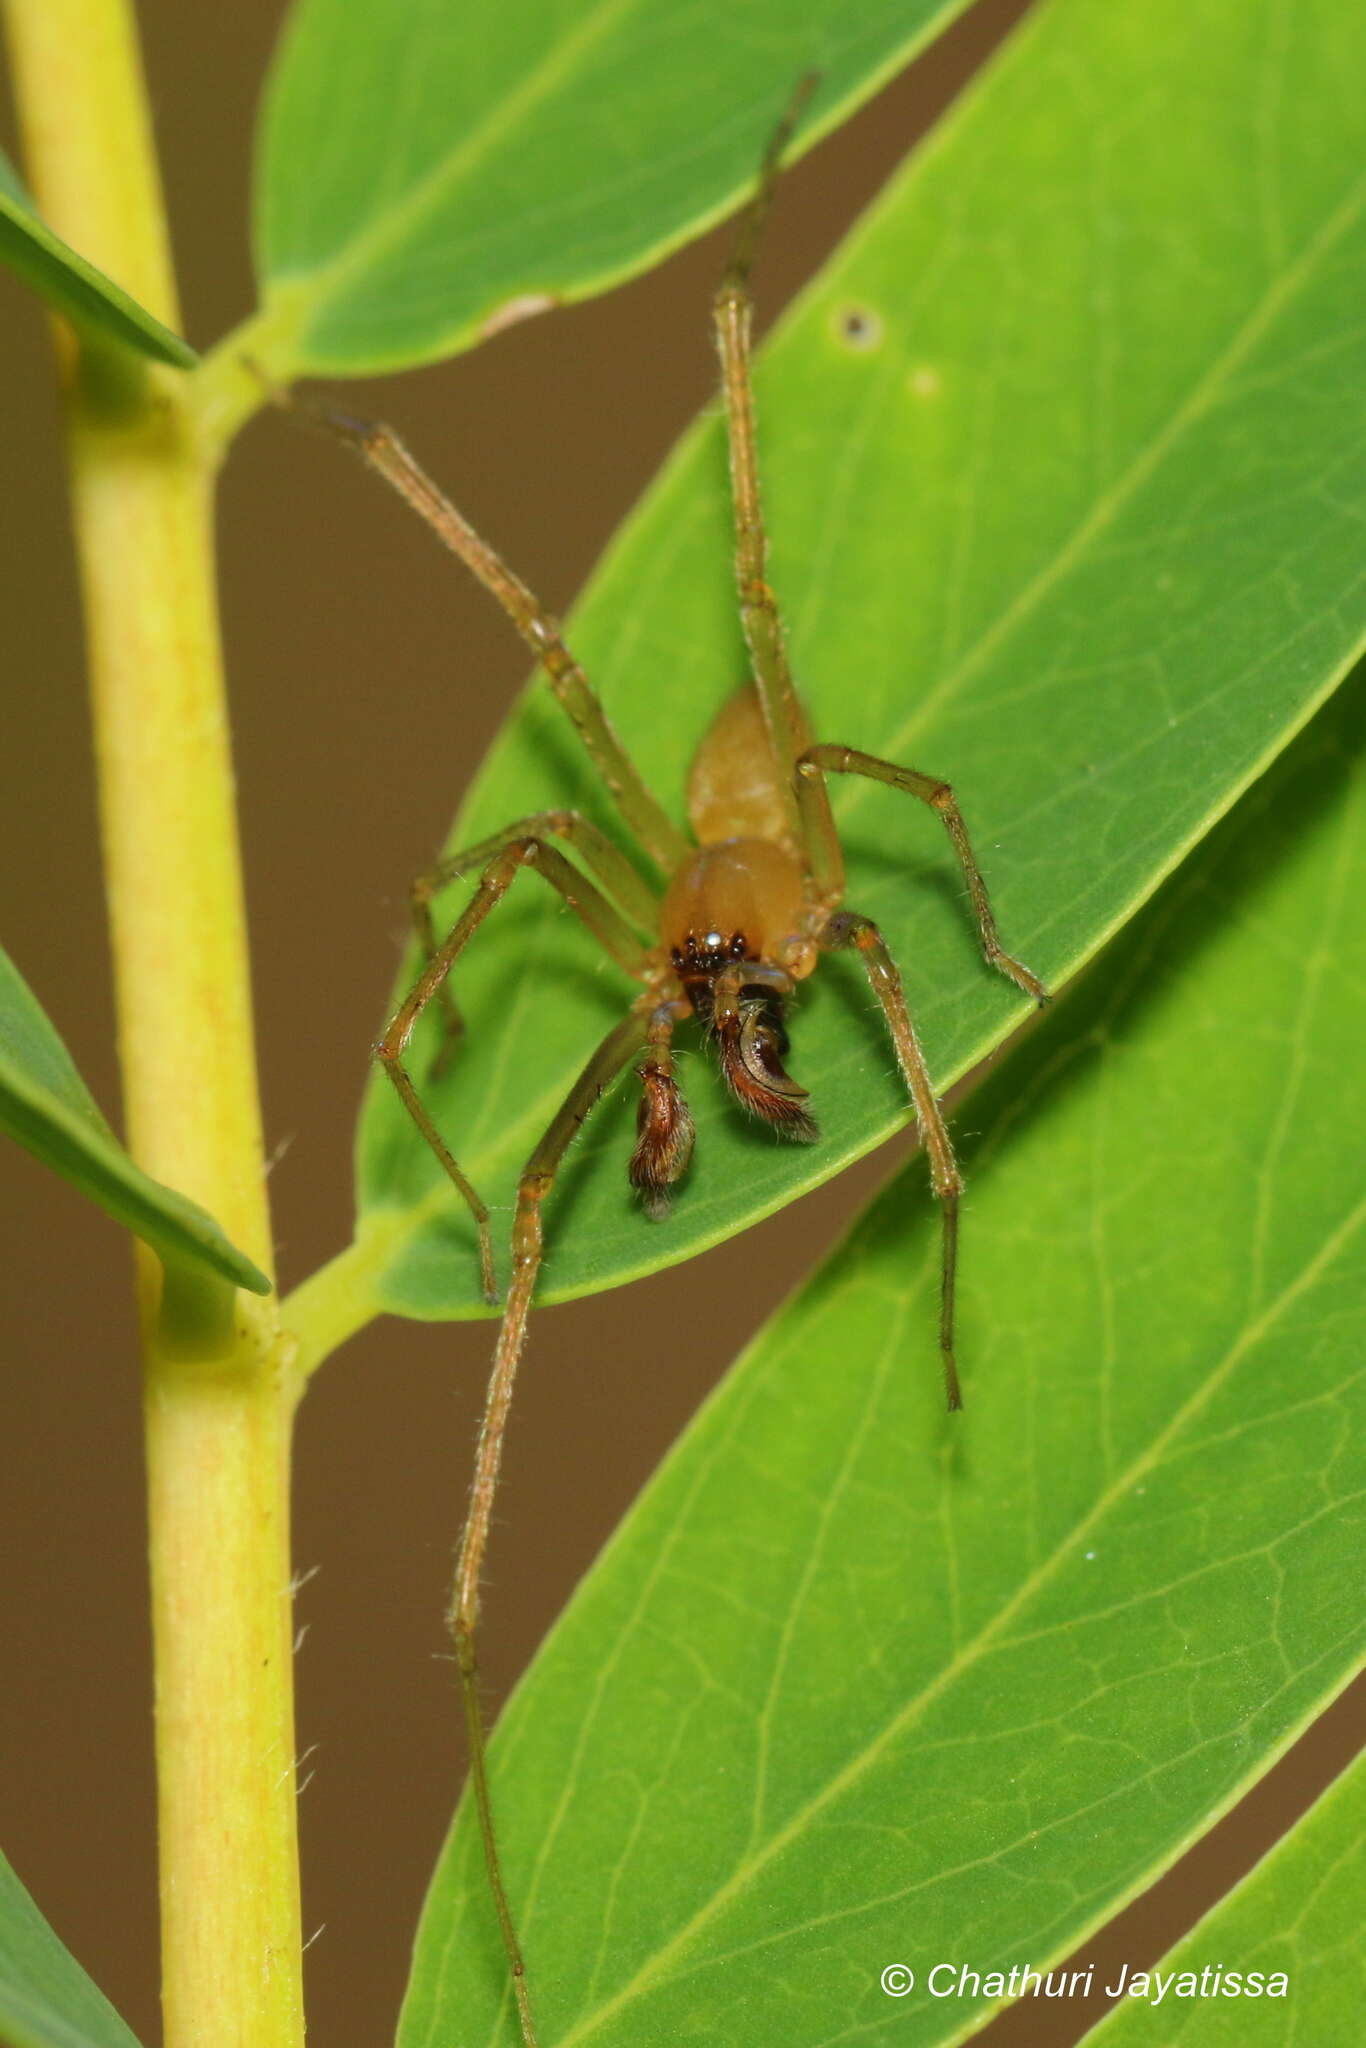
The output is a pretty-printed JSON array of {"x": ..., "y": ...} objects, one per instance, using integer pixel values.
[
  {"x": 46, "y": 1999},
  {"x": 54, "y": 270},
  {"x": 1074, "y": 519},
  {"x": 46, "y": 1105},
  {"x": 427, "y": 169},
  {"x": 860, "y": 1684},
  {"x": 1299, "y": 1913}
]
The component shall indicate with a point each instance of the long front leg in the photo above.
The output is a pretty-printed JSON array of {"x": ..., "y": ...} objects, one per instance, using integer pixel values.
[
  {"x": 818, "y": 762},
  {"x": 847, "y": 928},
  {"x": 612, "y": 1055},
  {"x": 380, "y": 447},
  {"x": 732, "y": 312}
]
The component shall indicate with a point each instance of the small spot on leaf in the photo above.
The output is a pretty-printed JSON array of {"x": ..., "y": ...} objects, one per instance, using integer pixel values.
[{"x": 859, "y": 327}]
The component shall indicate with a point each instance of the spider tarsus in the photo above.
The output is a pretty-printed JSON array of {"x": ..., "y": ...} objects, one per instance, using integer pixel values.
[
  {"x": 733, "y": 286},
  {"x": 1022, "y": 978},
  {"x": 782, "y": 134},
  {"x": 488, "y": 1272},
  {"x": 324, "y": 413}
]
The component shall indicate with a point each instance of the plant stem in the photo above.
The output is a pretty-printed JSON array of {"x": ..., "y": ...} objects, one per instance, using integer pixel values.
[{"x": 219, "y": 1389}]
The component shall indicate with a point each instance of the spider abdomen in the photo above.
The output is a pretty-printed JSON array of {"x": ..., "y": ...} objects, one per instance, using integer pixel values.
[
  {"x": 733, "y": 786},
  {"x": 737, "y": 898}
]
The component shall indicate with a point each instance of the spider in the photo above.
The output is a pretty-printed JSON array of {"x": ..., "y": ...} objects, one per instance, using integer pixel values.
[{"x": 753, "y": 896}]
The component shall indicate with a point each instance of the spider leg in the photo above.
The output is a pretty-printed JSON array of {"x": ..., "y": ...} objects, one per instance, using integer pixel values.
[
  {"x": 380, "y": 447},
  {"x": 604, "y": 861},
  {"x": 847, "y": 928},
  {"x": 732, "y": 314},
  {"x": 608, "y": 927},
  {"x": 828, "y": 867},
  {"x": 538, "y": 1178}
]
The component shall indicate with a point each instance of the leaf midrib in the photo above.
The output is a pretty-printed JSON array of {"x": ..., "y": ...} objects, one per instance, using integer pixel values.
[{"x": 388, "y": 228}]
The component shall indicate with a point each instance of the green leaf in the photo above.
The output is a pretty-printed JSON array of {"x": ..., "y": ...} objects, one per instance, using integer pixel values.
[
  {"x": 46, "y": 1105},
  {"x": 1074, "y": 520},
  {"x": 46, "y": 1999},
  {"x": 429, "y": 171},
  {"x": 858, "y": 1683},
  {"x": 1299, "y": 1912},
  {"x": 54, "y": 270}
]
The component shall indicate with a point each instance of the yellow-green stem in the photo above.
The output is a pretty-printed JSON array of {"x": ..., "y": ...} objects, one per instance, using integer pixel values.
[{"x": 219, "y": 1386}]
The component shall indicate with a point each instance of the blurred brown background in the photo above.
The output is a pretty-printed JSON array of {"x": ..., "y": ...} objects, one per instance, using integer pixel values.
[{"x": 341, "y": 622}]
